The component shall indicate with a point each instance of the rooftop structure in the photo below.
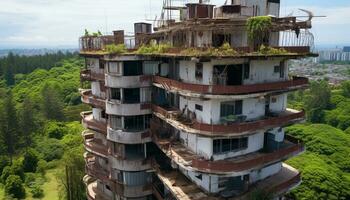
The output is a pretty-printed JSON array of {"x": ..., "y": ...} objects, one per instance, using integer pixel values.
[{"x": 195, "y": 107}]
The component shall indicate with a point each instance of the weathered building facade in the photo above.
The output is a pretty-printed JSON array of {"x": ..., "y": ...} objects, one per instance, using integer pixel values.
[{"x": 174, "y": 125}]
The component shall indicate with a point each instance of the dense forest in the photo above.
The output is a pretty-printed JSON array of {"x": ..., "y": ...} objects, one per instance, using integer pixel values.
[
  {"x": 325, "y": 166},
  {"x": 40, "y": 133},
  {"x": 41, "y": 143}
]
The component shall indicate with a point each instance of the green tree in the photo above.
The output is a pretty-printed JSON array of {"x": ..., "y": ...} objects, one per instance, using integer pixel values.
[
  {"x": 346, "y": 88},
  {"x": 14, "y": 186},
  {"x": 52, "y": 103},
  {"x": 10, "y": 128},
  {"x": 9, "y": 69},
  {"x": 317, "y": 100},
  {"x": 71, "y": 178},
  {"x": 30, "y": 161},
  {"x": 27, "y": 121}
]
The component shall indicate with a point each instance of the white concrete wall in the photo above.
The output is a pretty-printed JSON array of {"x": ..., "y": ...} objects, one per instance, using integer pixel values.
[
  {"x": 187, "y": 72},
  {"x": 263, "y": 72},
  {"x": 97, "y": 114},
  {"x": 253, "y": 108},
  {"x": 203, "y": 146},
  {"x": 279, "y": 134},
  {"x": 278, "y": 103},
  {"x": 273, "y": 9},
  {"x": 93, "y": 64},
  {"x": 265, "y": 172}
]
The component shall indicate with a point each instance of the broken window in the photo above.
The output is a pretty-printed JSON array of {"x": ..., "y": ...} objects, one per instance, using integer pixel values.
[
  {"x": 132, "y": 68},
  {"x": 132, "y": 95},
  {"x": 199, "y": 71},
  {"x": 279, "y": 69},
  {"x": 115, "y": 94},
  {"x": 228, "y": 145},
  {"x": 231, "y": 108}
]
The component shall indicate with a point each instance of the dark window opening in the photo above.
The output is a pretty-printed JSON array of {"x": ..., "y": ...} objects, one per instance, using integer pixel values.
[
  {"x": 132, "y": 68},
  {"x": 132, "y": 95},
  {"x": 102, "y": 65},
  {"x": 219, "y": 39},
  {"x": 231, "y": 108},
  {"x": 199, "y": 107},
  {"x": 134, "y": 151},
  {"x": 199, "y": 71},
  {"x": 136, "y": 123},
  {"x": 246, "y": 71},
  {"x": 199, "y": 176},
  {"x": 115, "y": 94},
  {"x": 108, "y": 188},
  {"x": 277, "y": 69},
  {"x": 228, "y": 145},
  {"x": 228, "y": 74},
  {"x": 103, "y": 114}
]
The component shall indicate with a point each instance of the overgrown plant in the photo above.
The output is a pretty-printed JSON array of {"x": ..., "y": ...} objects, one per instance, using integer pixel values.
[
  {"x": 271, "y": 51},
  {"x": 224, "y": 50},
  {"x": 258, "y": 27},
  {"x": 154, "y": 48},
  {"x": 115, "y": 49}
]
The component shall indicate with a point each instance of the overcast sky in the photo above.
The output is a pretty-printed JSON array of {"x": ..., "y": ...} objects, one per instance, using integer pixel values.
[{"x": 59, "y": 23}]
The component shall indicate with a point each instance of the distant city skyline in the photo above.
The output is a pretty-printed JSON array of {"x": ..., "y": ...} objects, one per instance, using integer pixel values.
[{"x": 59, "y": 23}]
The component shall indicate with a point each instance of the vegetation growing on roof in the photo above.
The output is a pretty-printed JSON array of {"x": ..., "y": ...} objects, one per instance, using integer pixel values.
[
  {"x": 267, "y": 50},
  {"x": 258, "y": 27},
  {"x": 116, "y": 49},
  {"x": 224, "y": 50},
  {"x": 154, "y": 48}
]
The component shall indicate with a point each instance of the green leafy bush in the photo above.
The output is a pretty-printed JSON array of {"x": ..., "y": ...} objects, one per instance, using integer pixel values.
[
  {"x": 50, "y": 149},
  {"x": 30, "y": 161},
  {"x": 37, "y": 192},
  {"x": 116, "y": 49},
  {"x": 4, "y": 161},
  {"x": 55, "y": 129},
  {"x": 257, "y": 26},
  {"x": 153, "y": 48},
  {"x": 14, "y": 186}
]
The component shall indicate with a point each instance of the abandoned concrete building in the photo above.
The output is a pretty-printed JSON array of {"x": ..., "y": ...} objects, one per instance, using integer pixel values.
[{"x": 174, "y": 124}]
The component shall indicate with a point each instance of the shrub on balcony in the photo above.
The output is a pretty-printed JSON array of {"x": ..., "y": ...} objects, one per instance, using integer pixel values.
[
  {"x": 115, "y": 49},
  {"x": 266, "y": 50},
  {"x": 224, "y": 50},
  {"x": 258, "y": 27}
]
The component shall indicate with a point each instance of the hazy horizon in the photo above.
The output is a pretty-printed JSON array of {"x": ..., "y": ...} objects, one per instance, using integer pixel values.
[{"x": 59, "y": 23}]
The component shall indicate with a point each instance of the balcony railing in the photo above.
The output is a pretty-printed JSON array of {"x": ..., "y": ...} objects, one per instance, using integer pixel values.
[
  {"x": 88, "y": 75},
  {"x": 166, "y": 83},
  {"x": 94, "y": 145},
  {"x": 88, "y": 98},
  {"x": 180, "y": 153},
  {"x": 95, "y": 43},
  {"x": 283, "y": 119},
  {"x": 95, "y": 170},
  {"x": 89, "y": 122}
]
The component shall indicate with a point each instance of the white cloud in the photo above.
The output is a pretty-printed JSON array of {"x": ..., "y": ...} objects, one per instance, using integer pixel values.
[{"x": 61, "y": 22}]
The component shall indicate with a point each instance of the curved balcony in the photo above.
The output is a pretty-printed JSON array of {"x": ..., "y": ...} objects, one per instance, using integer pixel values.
[
  {"x": 132, "y": 191},
  {"x": 94, "y": 145},
  {"x": 173, "y": 117},
  {"x": 123, "y": 137},
  {"x": 90, "y": 123},
  {"x": 93, "y": 169},
  {"x": 122, "y": 109},
  {"x": 88, "y": 98},
  {"x": 186, "y": 158},
  {"x": 179, "y": 185},
  {"x": 130, "y": 164},
  {"x": 93, "y": 193},
  {"x": 165, "y": 83},
  {"x": 116, "y": 81},
  {"x": 88, "y": 75}
]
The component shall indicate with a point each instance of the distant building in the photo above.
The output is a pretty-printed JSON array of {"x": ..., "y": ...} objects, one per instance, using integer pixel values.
[{"x": 334, "y": 55}]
